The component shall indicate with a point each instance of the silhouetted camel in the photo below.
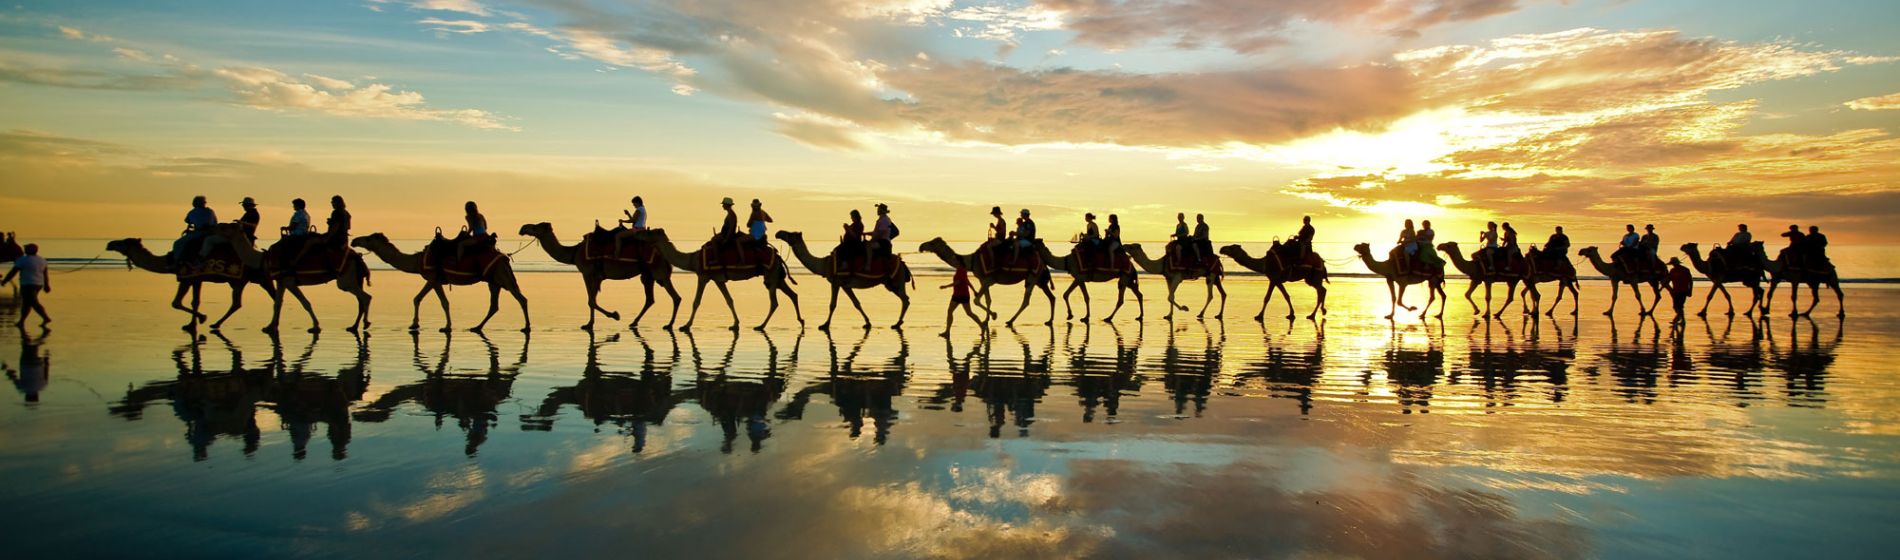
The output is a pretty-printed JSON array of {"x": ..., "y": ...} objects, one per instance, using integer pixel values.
[
  {"x": 850, "y": 281},
  {"x": 1278, "y": 274},
  {"x": 1395, "y": 282},
  {"x": 500, "y": 276},
  {"x": 1176, "y": 275},
  {"x": 990, "y": 273},
  {"x": 1081, "y": 274},
  {"x": 597, "y": 269}
]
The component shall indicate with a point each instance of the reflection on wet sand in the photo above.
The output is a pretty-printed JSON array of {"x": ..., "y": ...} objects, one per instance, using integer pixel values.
[
  {"x": 34, "y": 369},
  {"x": 1101, "y": 381},
  {"x": 733, "y": 397},
  {"x": 1290, "y": 368},
  {"x": 469, "y": 397},
  {"x": 1010, "y": 389},
  {"x": 222, "y": 401},
  {"x": 631, "y": 401}
]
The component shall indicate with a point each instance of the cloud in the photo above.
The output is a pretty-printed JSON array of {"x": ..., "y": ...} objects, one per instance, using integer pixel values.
[
  {"x": 256, "y": 87},
  {"x": 1249, "y": 26},
  {"x": 81, "y": 35},
  {"x": 464, "y": 26},
  {"x": 820, "y": 132},
  {"x": 471, "y": 7},
  {"x": 268, "y": 89},
  {"x": 1887, "y": 102}
]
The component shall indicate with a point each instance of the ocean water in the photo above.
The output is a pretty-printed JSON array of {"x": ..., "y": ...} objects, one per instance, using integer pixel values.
[{"x": 1349, "y": 435}]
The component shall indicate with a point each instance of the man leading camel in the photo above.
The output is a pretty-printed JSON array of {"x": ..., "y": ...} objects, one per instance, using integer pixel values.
[{"x": 31, "y": 268}]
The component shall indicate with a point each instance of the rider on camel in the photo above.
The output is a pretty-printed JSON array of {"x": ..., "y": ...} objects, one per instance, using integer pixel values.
[
  {"x": 1651, "y": 243},
  {"x": 1112, "y": 238},
  {"x": 1203, "y": 244},
  {"x": 474, "y": 230},
  {"x": 635, "y": 223},
  {"x": 1489, "y": 238},
  {"x": 1817, "y": 248},
  {"x": 728, "y": 230},
  {"x": 248, "y": 222},
  {"x": 1427, "y": 250},
  {"x": 881, "y": 236},
  {"x": 1183, "y": 240},
  {"x": 1303, "y": 241},
  {"x": 999, "y": 232},
  {"x": 852, "y": 245},
  {"x": 1025, "y": 235},
  {"x": 1739, "y": 244},
  {"x": 1629, "y": 247},
  {"x": 1557, "y": 248},
  {"x": 198, "y": 224},
  {"x": 1408, "y": 244}
]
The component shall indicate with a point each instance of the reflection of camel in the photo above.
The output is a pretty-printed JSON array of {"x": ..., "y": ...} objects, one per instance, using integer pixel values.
[
  {"x": 211, "y": 402},
  {"x": 252, "y": 273},
  {"x": 860, "y": 393},
  {"x": 1804, "y": 366},
  {"x": 982, "y": 266},
  {"x": 1501, "y": 367},
  {"x": 1006, "y": 394},
  {"x": 630, "y": 400},
  {"x": 1100, "y": 382},
  {"x": 850, "y": 281},
  {"x": 595, "y": 271},
  {"x": 1780, "y": 271},
  {"x": 1290, "y": 370},
  {"x": 1618, "y": 276},
  {"x": 776, "y": 275},
  {"x": 1279, "y": 274},
  {"x": 304, "y": 399},
  {"x": 469, "y": 398},
  {"x": 1190, "y": 377},
  {"x": 1081, "y": 274},
  {"x": 351, "y": 278},
  {"x": 1720, "y": 276},
  {"x": 1635, "y": 364},
  {"x": 499, "y": 276},
  {"x": 1395, "y": 282},
  {"x": 1175, "y": 276},
  {"x": 1479, "y": 275},
  {"x": 733, "y": 399},
  {"x": 1413, "y": 372}
]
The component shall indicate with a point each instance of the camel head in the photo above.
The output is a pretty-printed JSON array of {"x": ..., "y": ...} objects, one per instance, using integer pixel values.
[
  {"x": 1590, "y": 252},
  {"x": 933, "y": 245},
  {"x": 370, "y": 241},
  {"x": 1448, "y": 246},
  {"x": 126, "y": 245},
  {"x": 790, "y": 236},
  {"x": 542, "y": 228},
  {"x": 1363, "y": 249},
  {"x": 1690, "y": 248},
  {"x": 1235, "y": 251}
]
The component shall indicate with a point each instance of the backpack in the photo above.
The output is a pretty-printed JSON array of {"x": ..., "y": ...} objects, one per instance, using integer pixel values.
[{"x": 894, "y": 232}]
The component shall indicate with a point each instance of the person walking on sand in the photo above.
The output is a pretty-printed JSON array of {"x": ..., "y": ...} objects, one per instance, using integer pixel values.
[
  {"x": 1681, "y": 284},
  {"x": 960, "y": 297},
  {"x": 31, "y": 268}
]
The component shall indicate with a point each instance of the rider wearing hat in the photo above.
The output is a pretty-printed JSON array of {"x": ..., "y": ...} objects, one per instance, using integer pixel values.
[{"x": 250, "y": 219}]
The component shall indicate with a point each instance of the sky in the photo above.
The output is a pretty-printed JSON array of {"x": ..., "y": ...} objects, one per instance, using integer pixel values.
[{"x": 1694, "y": 115}]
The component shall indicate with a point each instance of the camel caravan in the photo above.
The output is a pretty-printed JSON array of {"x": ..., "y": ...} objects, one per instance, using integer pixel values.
[{"x": 214, "y": 252}]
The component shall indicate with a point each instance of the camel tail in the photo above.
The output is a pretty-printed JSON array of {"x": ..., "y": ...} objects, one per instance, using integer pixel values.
[{"x": 788, "y": 272}]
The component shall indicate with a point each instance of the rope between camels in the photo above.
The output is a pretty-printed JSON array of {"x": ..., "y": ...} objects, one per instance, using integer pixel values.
[
  {"x": 524, "y": 246},
  {"x": 89, "y": 263}
]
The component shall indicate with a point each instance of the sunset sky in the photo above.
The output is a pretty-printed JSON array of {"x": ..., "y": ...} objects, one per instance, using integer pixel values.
[{"x": 1691, "y": 114}]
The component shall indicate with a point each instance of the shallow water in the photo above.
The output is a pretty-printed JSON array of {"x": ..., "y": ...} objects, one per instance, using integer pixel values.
[{"x": 1352, "y": 436}]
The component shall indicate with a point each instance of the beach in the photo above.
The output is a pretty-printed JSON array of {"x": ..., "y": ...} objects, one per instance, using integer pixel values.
[{"x": 1351, "y": 435}]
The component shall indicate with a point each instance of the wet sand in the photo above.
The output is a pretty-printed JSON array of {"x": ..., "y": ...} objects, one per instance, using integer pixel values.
[{"x": 1351, "y": 436}]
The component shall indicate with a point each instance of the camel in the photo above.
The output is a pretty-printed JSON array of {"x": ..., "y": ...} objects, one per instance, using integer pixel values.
[
  {"x": 252, "y": 272},
  {"x": 351, "y": 278},
  {"x": 988, "y": 274},
  {"x": 1080, "y": 275},
  {"x": 599, "y": 270},
  {"x": 1278, "y": 275},
  {"x": 777, "y": 277},
  {"x": 1618, "y": 277},
  {"x": 1721, "y": 276},
  {"x": 1479, "y": 276},
  {"x": 1395, "y": 282},
  {"x": 852, "y": 281},
  {"x": 1778, "y": 272},
  {"x": 1176, "y": 276},
  {"x": 1565, "y": 276},
  {"x": 500, "y": 276}
]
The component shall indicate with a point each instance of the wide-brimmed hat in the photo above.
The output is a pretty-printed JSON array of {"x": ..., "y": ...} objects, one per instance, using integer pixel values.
[
  {"x": 248, "y": 201},
  {"x": 1025, "y": 212},
  {"x": 883, "y": 207}
]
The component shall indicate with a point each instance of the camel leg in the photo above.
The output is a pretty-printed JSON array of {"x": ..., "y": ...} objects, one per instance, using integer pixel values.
[
  {"x": 442, "y": 297},
  {"x": 1840, "y": 299},
  {"x": 1487, "y": 300},
  {"x": 667, "y": 282},
  {"x": 1769, "y": 299},
  {"x": 1068, "y": 314},
  {"x": 903, "y": 300},
  {"x": 494, "y": 304},
  {"x": 362, "y": 309},
  {"x": 1754, "y": 299},
  {"x": 526, "y": 322},
  {"x": 1266, "y": 301},
  {"x": 1726, "y": 298},
  {"x": 1615, "y": 289},
  {"x": 1215, "y": 285},
  {"x": 830, "y": 310},
  {"x": 1319, "y": 307},
  {"x": 1815, "y": 291},
  {"x": 785, "y": 284},
  {"x": 277, "y": 308},
  {"x": 1438, "y": 292},
  {"x": 1711, "y": 299},
  {"x": 1029, "y": 289},
  {"x": 592, "y": 285},
  {"x": 1655, "y": 299},
  {"x": 1172, "y": 284},
  {"x": 734, "y": 310},
  {"x": 1048, "y": 286},
  {"x": 1088, "y": 306},
  {"x": 1391, "y": 297},
  {"x": 646, "y": 287},
  {"x": 853, "y": 296},
  {"x": 1576, "y": 298},
  {"x": 237, "y": 302},
  {"x": 694, "y": 314},
  {"x": 1121, "y": 296},
  {"x": 1473, "y": 287},
  {"x": 297, "y": 292},
  {"x": 415, "y": 319},
  {"x": 178, "y": 302}
]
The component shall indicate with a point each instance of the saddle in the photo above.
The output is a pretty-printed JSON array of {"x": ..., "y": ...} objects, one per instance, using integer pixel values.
[
  {"x": 1637, "y": 260},
  {"x": 222, "y": 263},
  {"x": 730, "y": 255},
  {"x": 1094, "y": 257},
  {"x": 323, "y": 260},
  {"x": 599, "y": 246},
  {"x": 1005, "y": 257},
  {"x": 1504, "y": 262},
  {"x": 1732, "y": 261},
  {"x": 1289, "y": 256},
  {"x": 1179, "y": 259},
  {"x": 880, "y": 266},
  {"x": 1554, "y": 263},
  {"x": 439, "y": 259}
]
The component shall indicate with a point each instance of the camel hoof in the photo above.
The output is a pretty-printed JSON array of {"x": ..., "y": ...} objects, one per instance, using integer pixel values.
[
  {"x": 867, "y": 326},
  {"x": 313, "y": 330},
  {"x": 825, "y": 327},
  {"x": 1840, "y": 315},
  {"x": 612, "y": 316},
  {"x": 735, "y": 328},
  {"x": 351, "y": 329},
  {"x": 524, "y": 330},
  {"x": 268, "y": 330},
  {"x": 898, "y": 326},
  {"x": 476, "y": 330},
  {"x": 945, "y": 334}
]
